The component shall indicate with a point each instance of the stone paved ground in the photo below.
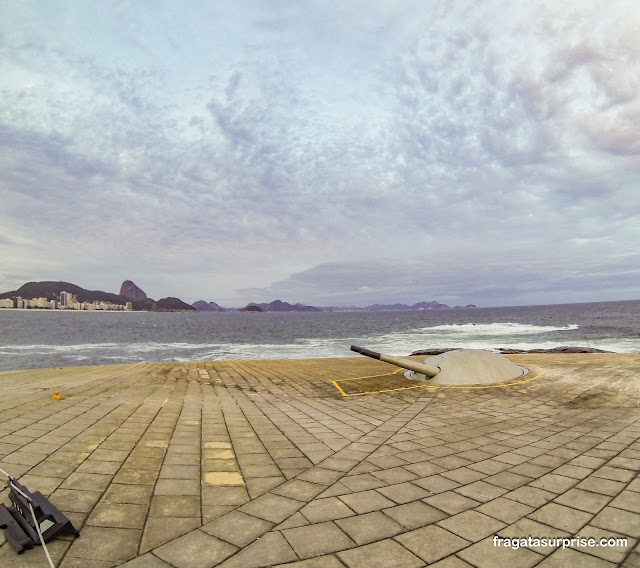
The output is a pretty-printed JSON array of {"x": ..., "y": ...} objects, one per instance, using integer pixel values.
[{"x": 265, "y": 463}]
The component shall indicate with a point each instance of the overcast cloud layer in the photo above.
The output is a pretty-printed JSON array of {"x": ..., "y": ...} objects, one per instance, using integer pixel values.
[{"x": 324, "y": 152}]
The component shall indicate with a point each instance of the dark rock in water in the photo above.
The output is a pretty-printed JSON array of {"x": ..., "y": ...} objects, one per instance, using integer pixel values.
[
  {"x": 563, "y": 349},
  {"x": 171, "y": 305},
  {"x": 203, "y": 306},
  {"x": 510, "y": 351},
  {"x": 131, "y": 293}
]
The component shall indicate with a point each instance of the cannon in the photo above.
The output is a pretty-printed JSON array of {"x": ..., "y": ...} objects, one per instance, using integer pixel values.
[{"x": 457, "y": 367}]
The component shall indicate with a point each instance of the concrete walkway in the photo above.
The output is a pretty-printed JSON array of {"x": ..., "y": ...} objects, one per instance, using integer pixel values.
[{"x": 243, "y": 464}]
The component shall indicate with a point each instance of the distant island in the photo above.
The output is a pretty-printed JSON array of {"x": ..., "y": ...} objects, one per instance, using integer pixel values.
[{"x": 67, "y": 296}]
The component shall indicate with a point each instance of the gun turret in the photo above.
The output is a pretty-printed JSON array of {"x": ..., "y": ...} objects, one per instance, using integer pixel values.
[{"x": 426, "y": 370}]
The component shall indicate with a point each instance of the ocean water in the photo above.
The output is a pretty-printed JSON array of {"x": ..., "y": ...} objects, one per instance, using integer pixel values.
[{"x": 43, "y": 338}]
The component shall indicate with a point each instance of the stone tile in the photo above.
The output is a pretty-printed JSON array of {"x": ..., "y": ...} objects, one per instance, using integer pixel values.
[
  {"x": 271, "y": 549},
  {"x": 223, "y": 478},
  {"x": 366, "y": 501},
  {"x": 436, "y": 484},
  {"x": 619, "y": 521},
  {"x": 300, "y": 490},
  {"x": 160, "y": 530},
  {"x": 224, "y": 496},
  {"x": 238, "y": 528},
  {"x": 530, "y": 496},
  {"x": 561, "y": 517},
  {"x": 481, "y": 491},
  {"x": 328, "y": 561},
  {"x": 431, "y": 543},
  {"x": 471, "y": 525},
  {"x": 175, "y": 506},
  {"x": 314, "y": 540},
  {"x": 382, "y": 554},
  {"x": 75, "y": 500},
  {"x": 136, "y": 477},
  {"x": 329, "y": 509},
  {"x": 195, "y": 549},
  {"x": 177, "y": 487},
  {"x": 568, "y": 557},
  {"x": 485, "y": 555},
  {"x": 414, "y": 515},
  {"x": 119, "y": 515},
  {"x": 144, "y": 561},
  {"x": 106, "y": 544},
  {"x": 404, "y": 492},
  {"x": 583, "y": 500},
  {"x": 505, "y": 510},
  {"x": 602, "y": 486},
  {"x": 508, "y": 480},
  {"x": 369, "y": 527},
  {"x": 451, "y": 502},
  {"x": 87, "y": 482},
  {"x": 273, "y": 508},
  {"x": 618, "y": 550},
  {"x": 627, "y": 500}
]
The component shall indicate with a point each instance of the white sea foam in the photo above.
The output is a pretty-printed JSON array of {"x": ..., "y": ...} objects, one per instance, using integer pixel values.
[{"x": 497, "y": 328}]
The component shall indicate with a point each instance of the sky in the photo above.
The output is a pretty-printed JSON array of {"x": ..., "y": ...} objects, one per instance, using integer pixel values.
[{"x": 323, "y": 152}]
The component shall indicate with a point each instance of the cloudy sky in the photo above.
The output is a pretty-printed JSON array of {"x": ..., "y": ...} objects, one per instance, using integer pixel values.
[{"x": 323, "y": 152}]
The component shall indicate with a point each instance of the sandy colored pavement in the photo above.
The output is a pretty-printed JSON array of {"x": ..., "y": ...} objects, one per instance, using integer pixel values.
[{"x": 242, "y": 464}]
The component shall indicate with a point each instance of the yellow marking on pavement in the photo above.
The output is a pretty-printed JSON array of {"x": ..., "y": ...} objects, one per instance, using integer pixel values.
[{"x": 335, "y": 383}]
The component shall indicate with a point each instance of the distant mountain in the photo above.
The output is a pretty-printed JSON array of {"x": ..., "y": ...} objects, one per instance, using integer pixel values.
[
  {"x": 419, "y": 306},
  {"x": 203, "y": 306},
  {"x": 171, "y": 305},
  {"x": 51, "y": 290},
  {"x": 280, "y": 306}
]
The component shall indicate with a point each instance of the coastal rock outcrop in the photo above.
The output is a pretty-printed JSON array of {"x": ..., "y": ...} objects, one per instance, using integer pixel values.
[{"x": 131, "y": 293}]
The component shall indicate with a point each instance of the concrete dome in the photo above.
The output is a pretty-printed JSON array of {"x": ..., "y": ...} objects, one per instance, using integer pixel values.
[{"x": 469, "y": 367}]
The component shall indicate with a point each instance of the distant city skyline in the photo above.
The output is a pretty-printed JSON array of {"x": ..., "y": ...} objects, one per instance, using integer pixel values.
[{"x": 323, "y": 153}]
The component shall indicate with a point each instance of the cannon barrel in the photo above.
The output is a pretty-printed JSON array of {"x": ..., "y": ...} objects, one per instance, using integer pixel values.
[{"x": 399, "y": 361}]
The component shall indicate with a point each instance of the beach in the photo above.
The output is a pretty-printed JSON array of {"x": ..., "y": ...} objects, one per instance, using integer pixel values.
[{"x": 268, "y": 463}]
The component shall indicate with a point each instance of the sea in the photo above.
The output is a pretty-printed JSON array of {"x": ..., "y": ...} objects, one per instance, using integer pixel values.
[{"x": 56, "y": 338}]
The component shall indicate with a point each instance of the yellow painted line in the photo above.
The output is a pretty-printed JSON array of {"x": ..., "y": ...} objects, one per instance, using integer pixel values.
[{"x": 433, "y": 386}]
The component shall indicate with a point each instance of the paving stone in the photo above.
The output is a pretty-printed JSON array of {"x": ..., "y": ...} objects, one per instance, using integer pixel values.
[
  {"x": 505, "y": 510},
  {"x": 414, "y": 515},
  {"x": 485, "y": 555},
  {"x": 238, "y": 528},
  {"x": 366, "y": 501},
  {"x": 383, "y": 554},
  {"x": 561, "y": 517},
  {"x": 120, "y": 515},
  {"x": 195, "y": 549},
  {"x": 160, "y": 530},
  {"x": 471, "y": 525},
  {"x": 328, "y": 561},
  {"x": 175, "y": 506},
  {"x": 224, "y": 495},
  {"x": 584, "y": 500},
  {"x": 619, "y": 521},
  {"x": 144, "y": 561},
  {"x": 273, "y": 508},
  {"x": 106, "y": 544},
  {"x": 567, "y": 557},
  {"x": 370, "y": 527},
  {"x": 451, "y": 502},
  {"x": 320, "y": 510},
  {"x": 271, "y": 549},
  {"x": 481, "y": 491},
  {"x": 431, "y": 543},
  {"x": 317, "y": 539}
]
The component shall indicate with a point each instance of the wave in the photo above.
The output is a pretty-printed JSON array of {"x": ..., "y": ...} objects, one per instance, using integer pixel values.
[{"x": 498, "y": 328}]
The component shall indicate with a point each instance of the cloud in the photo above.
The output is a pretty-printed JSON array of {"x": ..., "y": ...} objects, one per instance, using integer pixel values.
[{"x": 323, "y": 146}]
